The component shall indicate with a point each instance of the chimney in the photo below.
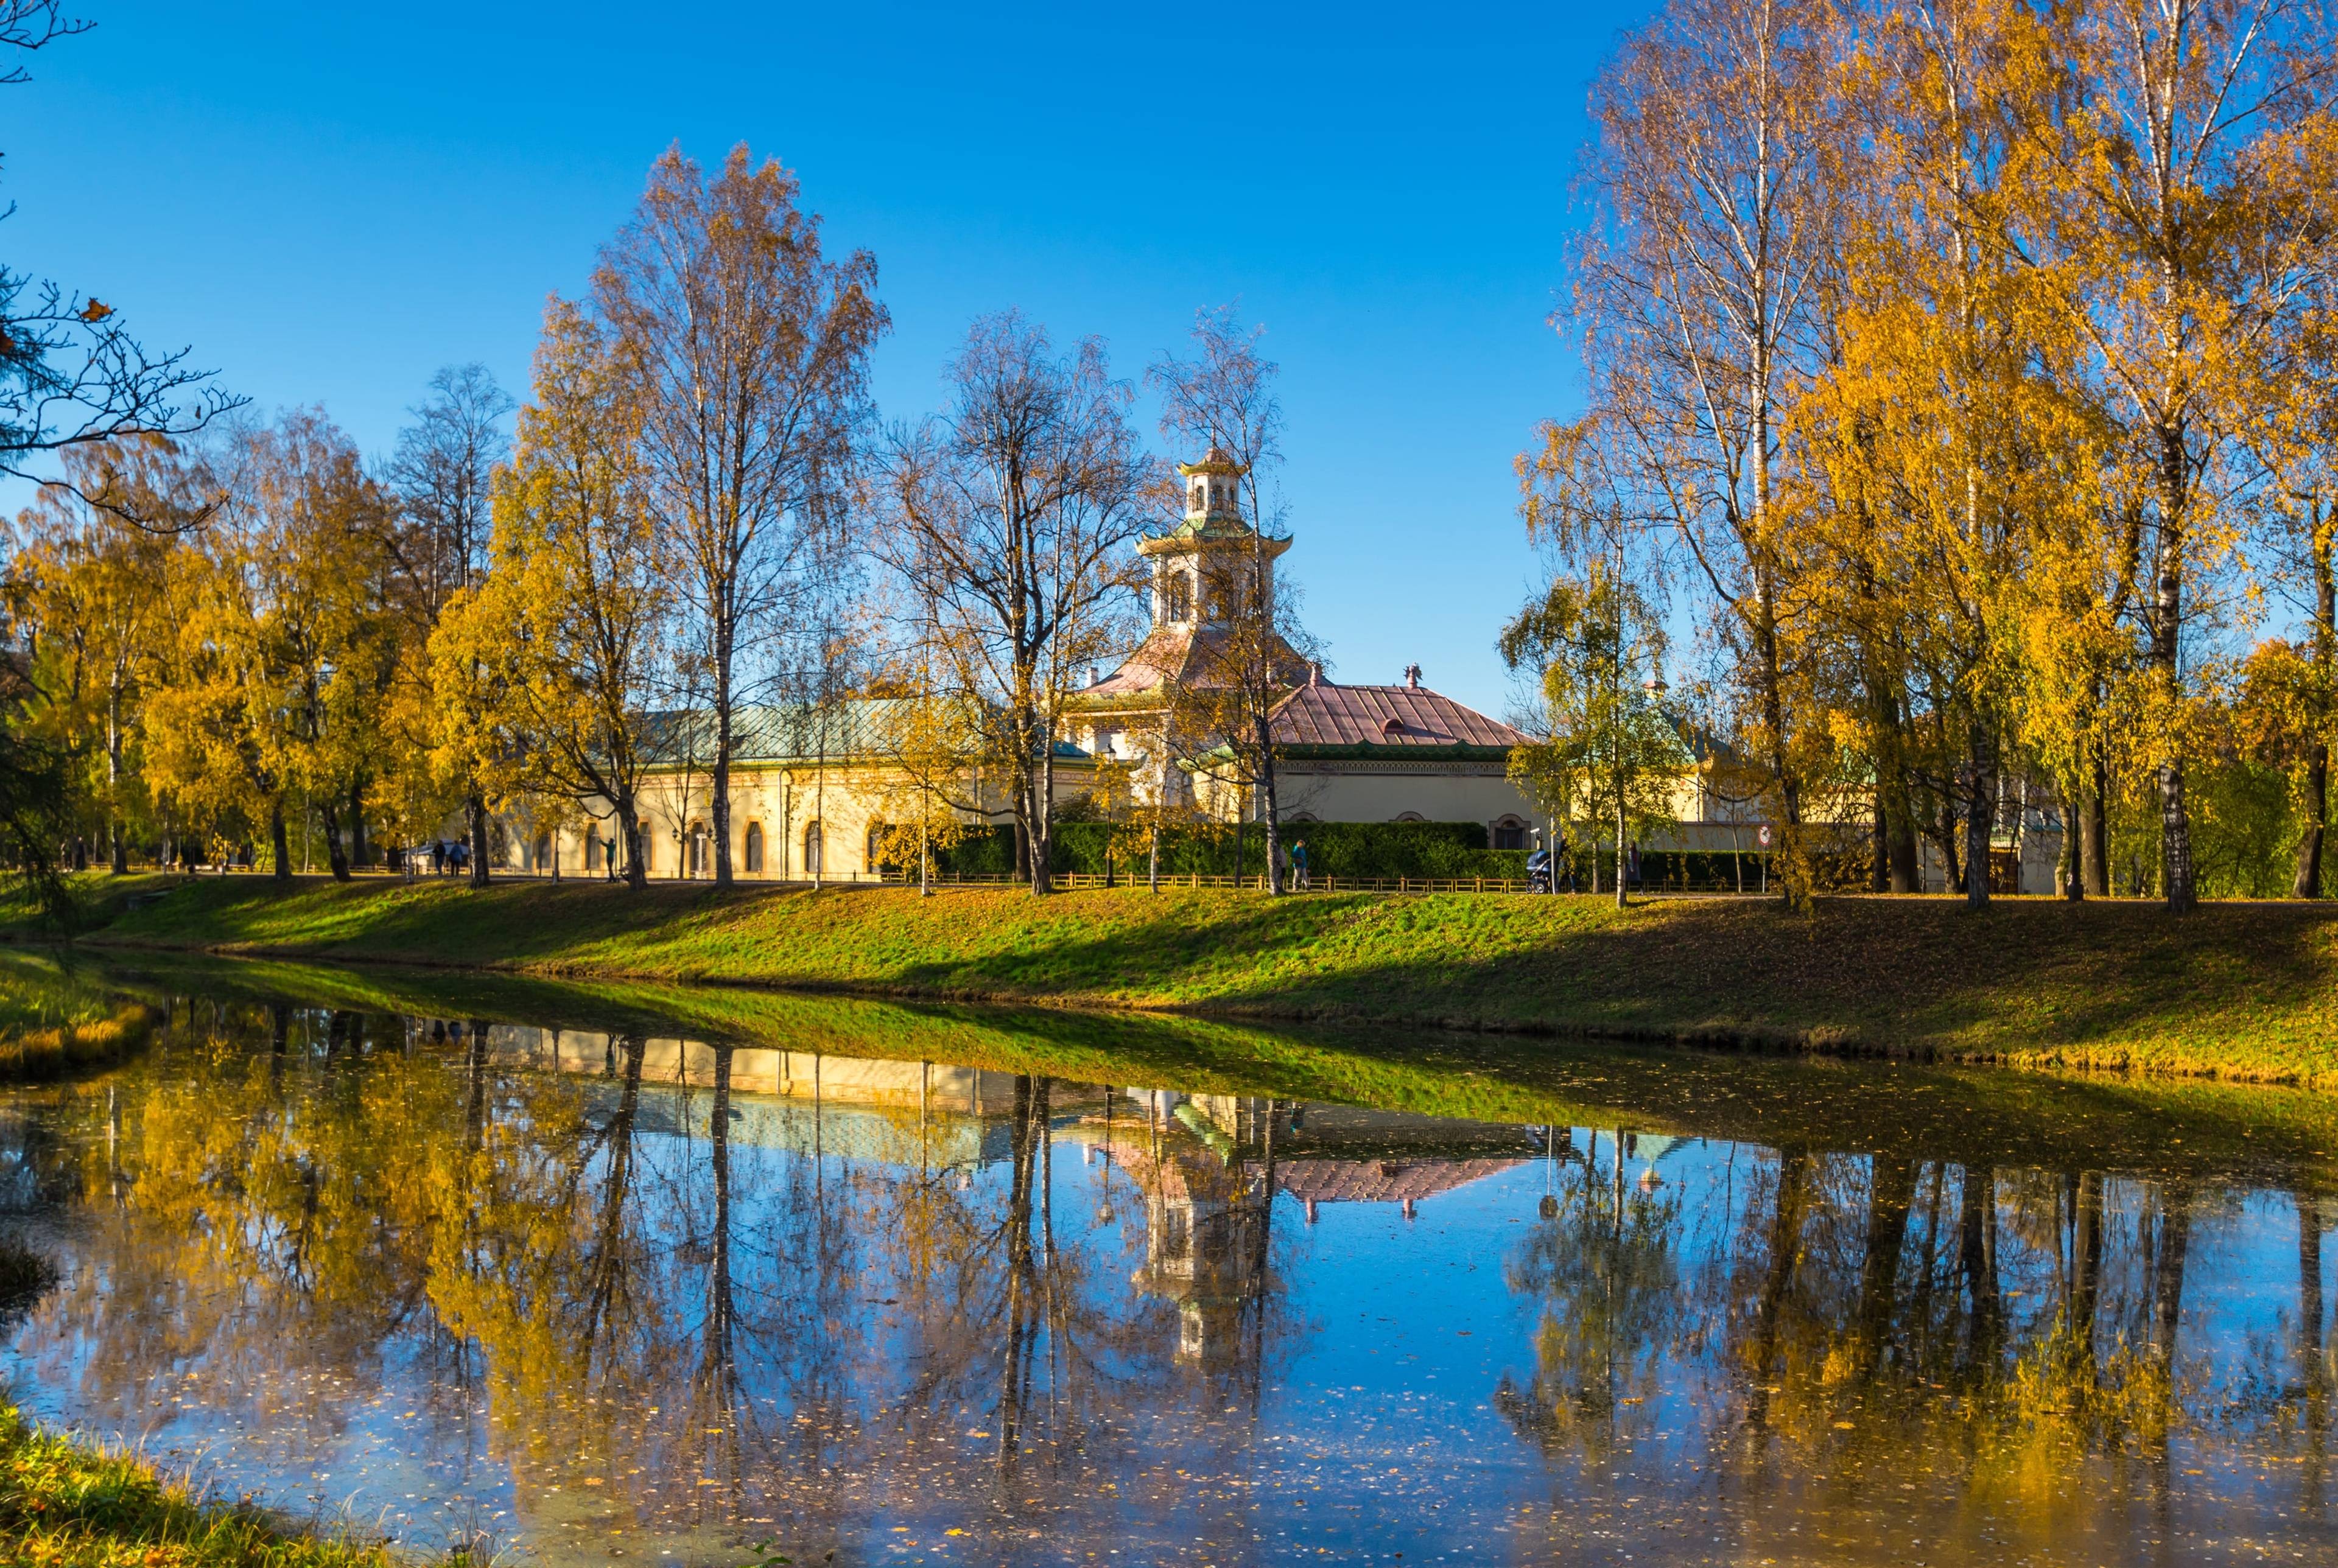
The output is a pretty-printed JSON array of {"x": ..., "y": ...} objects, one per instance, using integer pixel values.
[
  {"x": 1314, "y": 673},
  {"x": 1412, "y": 676}
]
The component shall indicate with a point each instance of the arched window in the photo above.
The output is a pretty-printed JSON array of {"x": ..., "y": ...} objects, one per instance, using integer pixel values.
[
  {"x": 755, "y": 849},
  {"x": 592, "y": 848},
  {"x": 812, "y": 861},
  {"x": 543, "y": 852},
  {"x": 1509, "y": 832},
  {"x": 876, "y": 845},
  {"x": 1408, "y": 817},
  {"x": 693, "y": 850},
  {"x": 1181, "y": 597},
  {"x": 648, "y": 844},
  {"x": 1201, "y": 495}
]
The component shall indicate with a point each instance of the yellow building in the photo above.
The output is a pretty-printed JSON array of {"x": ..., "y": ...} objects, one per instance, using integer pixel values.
[{"x": 811, "y": 790}]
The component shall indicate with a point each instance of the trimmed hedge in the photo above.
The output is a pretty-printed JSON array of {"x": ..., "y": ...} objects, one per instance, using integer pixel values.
[{"x": 1333, "y": 848}]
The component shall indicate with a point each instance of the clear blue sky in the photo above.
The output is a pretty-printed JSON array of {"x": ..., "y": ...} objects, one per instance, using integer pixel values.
[{"x": 328, "y": 202}]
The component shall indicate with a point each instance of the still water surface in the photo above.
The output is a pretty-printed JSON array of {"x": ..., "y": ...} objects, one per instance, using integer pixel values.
[{"x": 599, "y": 1290}]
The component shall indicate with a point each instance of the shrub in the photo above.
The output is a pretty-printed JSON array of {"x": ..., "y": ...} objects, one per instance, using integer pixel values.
[{"x": 1333, "y": 848}]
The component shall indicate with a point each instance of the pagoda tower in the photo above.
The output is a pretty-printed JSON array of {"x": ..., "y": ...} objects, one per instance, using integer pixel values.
[{"x": 1202, "y": 573}]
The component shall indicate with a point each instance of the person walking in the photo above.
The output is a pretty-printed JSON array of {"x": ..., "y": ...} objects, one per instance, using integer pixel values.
[
  {"x": 609, "y": 856},
  {"x": 1298, "y": 862},
  {"x": 1632, "y": 866},
  {"x": 1562, "y": 867}
]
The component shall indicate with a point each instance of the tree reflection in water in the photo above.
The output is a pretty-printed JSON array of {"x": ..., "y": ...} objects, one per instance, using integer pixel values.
[
  {"x": 640, "y": 1294},
  {"x": 2012, "y": 1347}
]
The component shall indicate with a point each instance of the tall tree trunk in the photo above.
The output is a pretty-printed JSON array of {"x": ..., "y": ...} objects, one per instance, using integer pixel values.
[
  {"x": 720, "y": 810},
  {"x": 1793, "y": 887},
  {"x": 477, "y": 808},
  {"x": 2316, "y": 805},
  {"x": 629, "y": 830},
  {"x": 2094, "y": 822},
  {"x": 1042, "y": 812},
  {"x": 118, "y": 844},
  {"x": 2074, "y": 885},
  {"x": 1046, "y": 820},
  {"x": 1273, "y": 811},
  {"x": 2166, "y": 624},
  {"x": 337, "y": 855},
  {"x": 1622, "y": 880},
  {"x": 1879, "y": 870},
  {"x": 1945, "y": 836},
  {"x": 360, "y": 853},
  {"x": 279, "y": 840},
  {"x": 1895, "y": 802},
  {"x": 1981, "y": 815}
]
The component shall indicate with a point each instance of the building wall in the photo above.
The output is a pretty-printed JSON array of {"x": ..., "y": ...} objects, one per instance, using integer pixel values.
[{"x": 783, "y": 800}]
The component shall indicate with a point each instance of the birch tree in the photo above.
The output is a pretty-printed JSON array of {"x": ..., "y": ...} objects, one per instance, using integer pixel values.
[
  {"x": 1693, "y": 293},
  {"x": 1011, "y": 516},
  {"x": 750, "y": 348},
  {"x": 2181, "y": 249}
]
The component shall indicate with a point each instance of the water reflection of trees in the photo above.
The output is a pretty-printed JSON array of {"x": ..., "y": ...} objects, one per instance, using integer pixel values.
[
  {"x": 655, "y": 1299},
  {"x": 601, "y": 1283},
  {"x": 1603, "y": 1262},
  {"x": 1878, "y": 1321}
]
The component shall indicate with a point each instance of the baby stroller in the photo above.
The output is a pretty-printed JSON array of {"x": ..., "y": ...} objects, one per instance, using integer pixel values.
[{"x": 1538, "y": 872}]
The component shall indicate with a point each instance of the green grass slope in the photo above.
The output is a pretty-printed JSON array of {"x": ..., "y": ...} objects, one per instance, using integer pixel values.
[{"x": 2246, "y": 991}]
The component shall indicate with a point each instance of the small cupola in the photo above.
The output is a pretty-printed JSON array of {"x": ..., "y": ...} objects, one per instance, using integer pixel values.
[{"x": 1212, "y": 494}]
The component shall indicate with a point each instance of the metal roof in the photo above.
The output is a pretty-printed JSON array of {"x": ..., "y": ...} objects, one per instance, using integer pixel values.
[
  {"x": 1323, "y": 714},
  {"x": 770, "y": 732}
]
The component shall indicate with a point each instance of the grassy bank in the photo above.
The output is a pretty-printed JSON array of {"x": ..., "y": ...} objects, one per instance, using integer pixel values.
[
  {"x": 51, "y": 1025},
  {"x": 2176, "y": 1128},
  {"x": 2243, "y": 991},
  {"x": 76, "y": 1505}
]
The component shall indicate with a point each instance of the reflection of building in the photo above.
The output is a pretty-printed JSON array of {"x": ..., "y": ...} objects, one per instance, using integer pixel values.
[
  {"x": 1402, "y": 1182},
  {"x": 931, "y": 1114},
  {"x": 1204, "y": 1224},
  {"x": 1204, "y": 1163}
]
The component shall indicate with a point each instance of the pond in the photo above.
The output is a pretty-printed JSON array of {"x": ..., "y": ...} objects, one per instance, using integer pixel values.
[{"x": 711, "y": 1278}]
